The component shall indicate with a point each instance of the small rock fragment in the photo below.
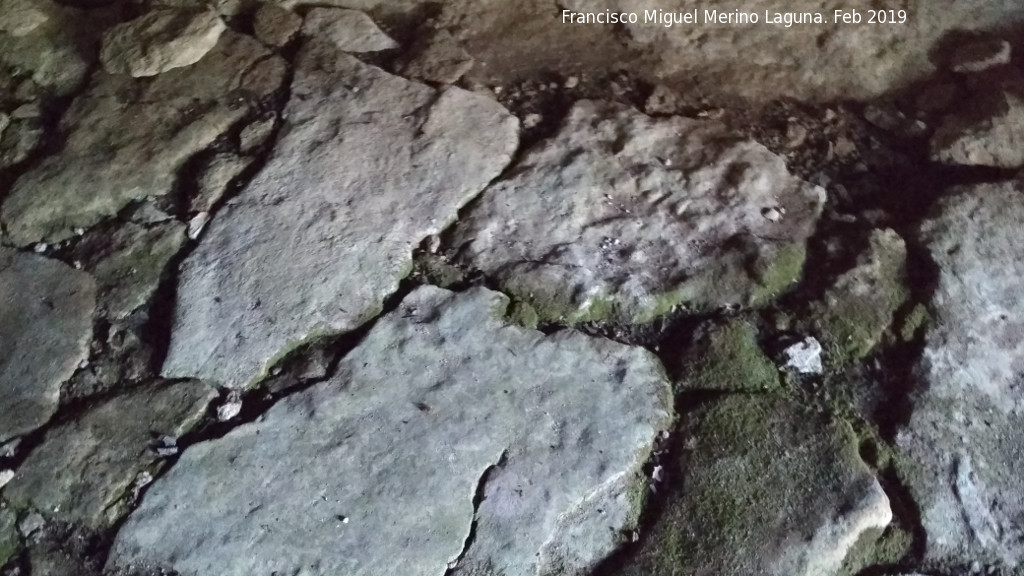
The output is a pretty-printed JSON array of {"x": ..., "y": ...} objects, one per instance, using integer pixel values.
[
  {"x": 5, "y": 477},
  {"x": 532, "y": 121},
  {"x": 31, "y": 523},
  {"x": 161, "y": 40},
  {"x": 663, "y": 100},
  {"x": 231, "y": 407},
  {"x": 571, "y": 82},
  {"x": 805, "y": 356},
  {"x": 256, "y": 133},
  {"x": 217, "y": 172},
  {"x": 274, "y": 25},
  {"x": 197, "y": 224},
  {"x": 349, "y": 30},
  {"x": 5, "y": 121},
  {"x": 439, "y": 58},
  {"x": 980, "y": 55}
]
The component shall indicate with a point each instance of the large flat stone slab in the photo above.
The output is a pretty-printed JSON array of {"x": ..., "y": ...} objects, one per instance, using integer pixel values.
[
  {"x": 45, "y": 325},
  {"x": 83, "y": 470},
  {"x": 375, "y": 471},
  {"x": 963, "y": 447},
  {"x": 160, "y": 40},
  {"x": 368, "y": 166},
  {"x": 126, "y": 139},
  {"x": 622, "y": 216}
]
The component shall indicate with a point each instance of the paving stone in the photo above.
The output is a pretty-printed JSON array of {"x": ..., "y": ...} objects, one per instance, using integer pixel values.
[
  {"x": 623, "y": 217},
  {"x": 368, "y": 165},
  {"x": 349, "y": 30},
  {"x": 962, "y": 449},
  {"x": 374, "y": 471},
  {"x": 160, "y": 40},
  {"x": 127, "y": 139},
  {"x": 83, "y": 470},
  {"x": 45, "y": 324}
]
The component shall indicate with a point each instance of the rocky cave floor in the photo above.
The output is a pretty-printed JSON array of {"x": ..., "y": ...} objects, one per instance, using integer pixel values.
[{"x": 296, "y": 290}]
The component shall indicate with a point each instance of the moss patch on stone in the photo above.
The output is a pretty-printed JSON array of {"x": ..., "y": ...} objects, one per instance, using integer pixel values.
[
  {"x": 913, "y": 322},
  {"x": 435, "y": 269},
  {"x": 729, "y": 358},
  {"x": 9, "y": 541},
  {"x": 857, "y": 310},
  {"x": 778, "y": 272},
  {"x": 756, "y": 472},
  {"x": 877, "y": 548}
]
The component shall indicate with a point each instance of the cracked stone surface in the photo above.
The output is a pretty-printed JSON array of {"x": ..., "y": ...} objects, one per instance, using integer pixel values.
[
  {"x": 368, "y": 166},
  {"x": 84, "y": 469},
  {"x": 624, "y": 216},
  {"x": 159, "y": 41},
  {"x": 765, "y": 487},
  {"x": 962, "y": 448},
  {"x": 443, "y": 395},
  {"x": 438, "y": 57},
  {"x": 349, "y": 30},
  {"x": 45, "y": 324},
  {"x": 126, "y": 139}
]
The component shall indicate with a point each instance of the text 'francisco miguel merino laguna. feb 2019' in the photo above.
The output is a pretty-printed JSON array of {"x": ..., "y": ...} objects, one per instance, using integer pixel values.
[{"x": 698, "y": 16}]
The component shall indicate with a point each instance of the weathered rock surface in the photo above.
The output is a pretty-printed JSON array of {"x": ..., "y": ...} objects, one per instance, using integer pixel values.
[
  {"x": 984, "y": 137},
  {"x": 45, "y": 325},
  {"x": 374, "y": 471},
  {"x": 727, "y": 357},
  {"x": 622, "y": 216},
  {"x": 127, "y": 139},
  {"x": 856, "y": 310},
  {"x": 438, "y": 57},
  {"x": 8, "y": 534},
  {"x": 48, "y": 44},
  {"x": 349, "y": 30},
  {"x": 275, "y": 25},
  {"x": 368, "y": 166},
  {"x": 765, "y": 488},
  {"x": 217, "y": 172},
  {"x": 128, "y": 264},
  {"x": 20, "y": 17},
  {"x": 963, "y": 448},
  {"x": 84, "y": 469},
  {"x": 160, "y": 40}
]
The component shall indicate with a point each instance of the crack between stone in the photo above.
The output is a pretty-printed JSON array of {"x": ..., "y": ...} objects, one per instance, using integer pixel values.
[{"x": 478, "y": 498}]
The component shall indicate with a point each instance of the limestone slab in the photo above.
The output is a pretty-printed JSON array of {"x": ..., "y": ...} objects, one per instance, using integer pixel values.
[
  {"x": 367, "y": 166},
  {"x": 376, "y": 470}
]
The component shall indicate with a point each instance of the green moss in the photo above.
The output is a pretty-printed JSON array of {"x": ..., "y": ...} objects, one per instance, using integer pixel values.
[
  {"x": 877, "y": 548},
  {"x": 9, "y": 541},
  {"x": 729, "y": 358},
  {"x": 913, "y": 322},
  {"x": 777, "y": 273},
  {"x": 436, "y": 270},
  {"x": 523, "y": 314},
  {"x": 860, "y": 307},
  {"x": 757, "y": 470}
]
